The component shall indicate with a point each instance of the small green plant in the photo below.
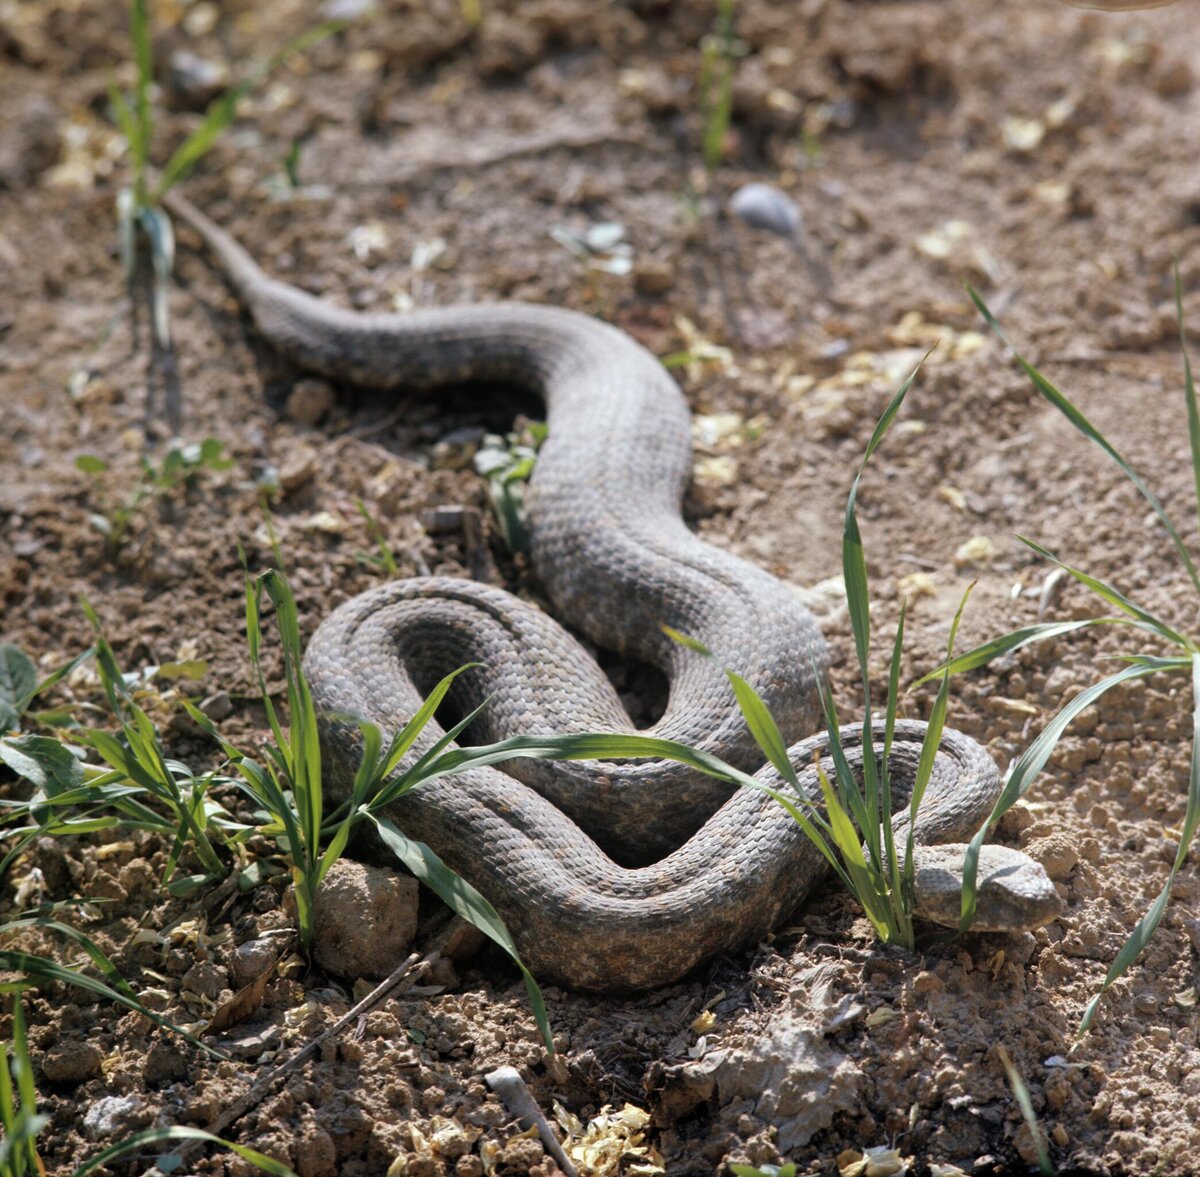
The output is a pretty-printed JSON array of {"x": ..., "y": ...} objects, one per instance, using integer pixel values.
[
  {"x": 180, "y": 469},
  {"x": 140, "y": 782},
  {"x": 1138, "y": 665},
  {"x": 507, "y": 464},
  {"x": 719, "y": 53},
  {"x": 21, "y": 1122},
  {"x": 788, "y": 1169},
  {"x": 146, "y": 234},
  {"x": 383, "y": 558}
]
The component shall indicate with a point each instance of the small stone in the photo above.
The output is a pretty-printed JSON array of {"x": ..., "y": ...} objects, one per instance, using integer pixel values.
[
  {"x": 194, "y": 80},
  {"x": 309, "y": 400},
  {"x": 110, "y": 1115},
  {"x": 164, "y": 1061},
  {"x": 297, "y": 469},
  {"x": 469, "y": 1166},
  {"x": 217, "y": 707},
  {"x": 314, "y": 1153},
  {"x": 1173, "y": 79},
  {"x": 251, "y": 960},
  {"x": 30, "y": 140},
  {"x": 461, "y": 940},
  {"x": 72, "y": 1062},
  {"x": 1056, "y": 852},
  {"x": 364, "y": 920},
  {"x": 206, "y": 979},
  {"x": 653, "y": 276},
  {"x": 764, "y": 206}
]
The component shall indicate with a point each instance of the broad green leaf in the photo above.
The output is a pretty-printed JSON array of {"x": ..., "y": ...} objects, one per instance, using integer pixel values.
[
  {"x": 18, "y": 682},
  {"x": 1081, "y": 423},
  {"x": 44, "y": 761},
  {"x": 465, "y": 901}
]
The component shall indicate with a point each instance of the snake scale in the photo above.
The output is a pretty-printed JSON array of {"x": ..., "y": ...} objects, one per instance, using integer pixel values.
[{"x": 609, "y": 876}]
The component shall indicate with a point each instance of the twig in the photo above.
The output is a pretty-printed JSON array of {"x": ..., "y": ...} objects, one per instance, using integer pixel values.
[
  {"x": 261, "y": 1087},
  {"x": 507, "y": 1083}
]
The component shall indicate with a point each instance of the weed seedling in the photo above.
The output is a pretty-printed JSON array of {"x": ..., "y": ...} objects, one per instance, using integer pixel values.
[
  {"x": 383, "y": 558},
  {"x": 507, "y": 464},
  {"x": 146, "y": 234},
  {"x": 20, "y": 687},
  {"x": 179, "y": 470},
  {"x": 719, "y": 53},
  {"x": 854, "y": 814}
]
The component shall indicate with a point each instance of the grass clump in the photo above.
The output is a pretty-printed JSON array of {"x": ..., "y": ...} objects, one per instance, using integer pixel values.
[
  {"x": 852, "y": 826},
  {"x": 1183, "y": 657}
]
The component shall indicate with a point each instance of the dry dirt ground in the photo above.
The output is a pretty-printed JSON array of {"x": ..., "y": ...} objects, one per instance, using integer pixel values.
[{"x": 1045, "y": 154}]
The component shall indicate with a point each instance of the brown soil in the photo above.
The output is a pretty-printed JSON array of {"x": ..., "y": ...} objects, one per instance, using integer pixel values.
[{"x": 1045, "y": 154}]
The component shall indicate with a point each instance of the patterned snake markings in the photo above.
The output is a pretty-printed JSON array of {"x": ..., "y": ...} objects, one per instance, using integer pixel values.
[{"x": 610, "y": 876}]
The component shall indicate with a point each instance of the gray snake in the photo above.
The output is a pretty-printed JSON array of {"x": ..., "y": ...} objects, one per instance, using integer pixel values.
[{"x": 609, "y": 876}]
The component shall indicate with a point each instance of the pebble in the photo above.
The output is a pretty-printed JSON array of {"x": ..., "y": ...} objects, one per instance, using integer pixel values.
[
  {"x": 763, "y": 206},
  {"x": 72, "y": 1062},
  {"x": 297, "y": 469},
  {"x": 164, "y": 1061},
  {"x": 194, "y": 79},
  {"x": 309, "y": 400},
  {"x": 205, "y": 978},
  {"x": 252, "y": 959},
  {"x": 364, "y": 921},
  {"x": 218, "y": 706},
  {"x": 110, "y": 1115}
]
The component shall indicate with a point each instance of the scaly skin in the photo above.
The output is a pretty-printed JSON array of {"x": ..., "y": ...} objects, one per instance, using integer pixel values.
[{"x": 610, "y": 876}]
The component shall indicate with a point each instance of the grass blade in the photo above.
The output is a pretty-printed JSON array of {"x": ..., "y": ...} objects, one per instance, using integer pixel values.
[
  {"x": 1021, "y": 1092},
  {"x": 982, "y": 655},
  {"x": 1072, "y": 414},
  {"x": 464, "y": 900},
  {"x": 1140, "y": 936},
  {"x": 1108, "y": 593},
  {"x": 180, "y": 1132},
  {"x": 223, "y": 110},
  {"x": 1026, "y": 770},
  {"x": 1189, "y": 387}
]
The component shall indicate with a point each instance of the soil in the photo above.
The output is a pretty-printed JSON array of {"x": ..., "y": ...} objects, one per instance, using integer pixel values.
[{"x": 1044, "y": 154}]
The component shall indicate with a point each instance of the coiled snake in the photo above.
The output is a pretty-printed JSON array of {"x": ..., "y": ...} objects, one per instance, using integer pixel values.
[{"x": 614, "y": 876}]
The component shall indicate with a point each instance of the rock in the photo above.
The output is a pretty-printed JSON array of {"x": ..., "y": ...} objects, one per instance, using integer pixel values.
[
  {"x": 297, "y": 469},
  {"x": 194, "y": 80},
  {"x": 763, "y": 206},
  {"x": 206, "y": 978},
  {"x": 164, "y": 1061},
  {"x": 111, "y": 1115},
  {"x": 364, "y": 921},
  {"x": 72, "y": 1062},
  {"x": 653, "y": 276},
  {"x": 309, "y": 400},
  {"x": 251, "y": 960},
  {"x": 217, "y": 707},
  {"x": 1056, "y": 852},
  {"x": 314, "y": 1154}
]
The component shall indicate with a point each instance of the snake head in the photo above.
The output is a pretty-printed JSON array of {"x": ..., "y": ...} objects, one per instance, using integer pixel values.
[{"x": 1013, "y": 893}]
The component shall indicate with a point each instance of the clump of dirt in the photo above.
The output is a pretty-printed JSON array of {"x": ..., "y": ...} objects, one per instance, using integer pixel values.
[{"x": 1043, "y": 154}]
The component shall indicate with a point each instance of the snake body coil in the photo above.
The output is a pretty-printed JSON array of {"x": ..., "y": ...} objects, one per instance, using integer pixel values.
[{"x": 612, "y": 876}]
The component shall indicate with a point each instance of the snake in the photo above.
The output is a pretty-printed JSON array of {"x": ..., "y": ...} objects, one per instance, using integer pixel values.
[{"x": 623, "y": 875}]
